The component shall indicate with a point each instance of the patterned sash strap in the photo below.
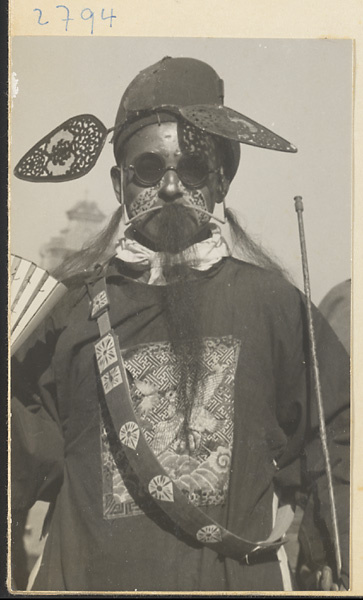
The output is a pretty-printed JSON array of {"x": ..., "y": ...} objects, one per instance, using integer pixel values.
[{"x": 143, "y": 461}]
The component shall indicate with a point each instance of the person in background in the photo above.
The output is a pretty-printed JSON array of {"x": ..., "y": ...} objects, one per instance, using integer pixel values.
[{"x": 335, "y": 307}]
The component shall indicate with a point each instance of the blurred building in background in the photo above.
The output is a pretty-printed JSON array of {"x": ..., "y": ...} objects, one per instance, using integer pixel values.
[{"x": 85, "y": 220}]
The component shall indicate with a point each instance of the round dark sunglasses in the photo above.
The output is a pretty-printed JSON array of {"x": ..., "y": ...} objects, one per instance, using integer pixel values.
[{"x": 149, "y": 168}]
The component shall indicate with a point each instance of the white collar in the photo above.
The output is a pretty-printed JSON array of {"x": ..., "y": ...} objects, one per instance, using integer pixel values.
[{"x": 201, "y": 256}]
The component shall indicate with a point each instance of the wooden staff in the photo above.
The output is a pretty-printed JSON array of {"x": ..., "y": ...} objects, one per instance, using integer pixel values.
[{"x": 299, "y": 207}]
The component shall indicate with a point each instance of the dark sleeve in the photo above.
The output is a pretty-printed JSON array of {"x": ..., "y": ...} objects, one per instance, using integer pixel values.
[
  {"x": 36, "y": 434},
  {"x": 316, "y": 531},
  {"x": 37, "y": 444},
  {"x": 302, "y": 466}
]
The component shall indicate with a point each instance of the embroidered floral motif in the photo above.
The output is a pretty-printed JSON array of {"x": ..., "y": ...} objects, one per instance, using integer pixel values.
[
  {"x": 67, "y": 152},
  {"x": 161, "y": 488},
  {"x": 129, "y": 434},
  {"x": 99, "y": 302},
  {"x": 202, "y": 475},
  {"x": 210, "y": 534},
  {"x": 60, "y": 147},
  {"x": 111, "y": 379},
  {"x": 61, "y": 152},
  {"x": 105, "y": 352}
]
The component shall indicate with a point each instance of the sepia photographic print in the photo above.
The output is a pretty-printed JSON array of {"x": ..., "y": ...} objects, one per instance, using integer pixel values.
[{"x": 180, "y": 314}]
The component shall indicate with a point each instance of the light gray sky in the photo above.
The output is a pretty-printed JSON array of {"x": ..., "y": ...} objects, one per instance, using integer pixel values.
[{"x": 301, "y": 89}]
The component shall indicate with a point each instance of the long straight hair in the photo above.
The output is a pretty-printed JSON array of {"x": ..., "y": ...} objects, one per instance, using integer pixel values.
[
  {"x": 247, "y": 249},
  {"x": 97, "y": 251},
  {"x": 103, "y": 246}
]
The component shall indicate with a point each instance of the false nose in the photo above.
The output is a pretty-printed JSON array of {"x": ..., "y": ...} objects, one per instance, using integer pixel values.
[{"x": 170, "y": 188}]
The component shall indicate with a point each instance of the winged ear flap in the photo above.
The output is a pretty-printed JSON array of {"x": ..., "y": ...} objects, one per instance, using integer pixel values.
[
  {"x": 228, "y": 123},
  {"x": 68, "y": 152}
]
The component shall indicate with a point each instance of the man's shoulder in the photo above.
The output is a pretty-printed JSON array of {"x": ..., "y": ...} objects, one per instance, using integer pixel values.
[
  {"x": 268, "y": 291},
  {"x": 250, "y": 274},
  {"x": 70, "y": 307},
  {"x": 78, "y": 283},
  {"x": 76, "y": 288},
  {"x": 76, "y": 293}
]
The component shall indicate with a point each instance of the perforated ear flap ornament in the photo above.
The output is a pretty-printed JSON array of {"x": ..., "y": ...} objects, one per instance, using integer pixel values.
[
  {"x": 72, "y": 149},
  {"x": 227, "y": 123},
  {"x": 68, "y": 152}
]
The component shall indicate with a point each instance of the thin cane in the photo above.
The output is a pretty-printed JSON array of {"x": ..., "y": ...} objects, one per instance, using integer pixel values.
[{"x": 299, "y": 207}]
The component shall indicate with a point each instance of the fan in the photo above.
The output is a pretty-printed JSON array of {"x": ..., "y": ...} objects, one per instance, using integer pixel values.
[{"x": 33, "y": 293}]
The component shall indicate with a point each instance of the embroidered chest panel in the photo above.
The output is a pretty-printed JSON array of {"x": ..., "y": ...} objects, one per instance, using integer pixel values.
[{"x": 202, "y": 474}]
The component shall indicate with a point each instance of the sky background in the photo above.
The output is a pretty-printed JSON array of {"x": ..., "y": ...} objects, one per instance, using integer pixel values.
[{"x": 301, "y": 89}]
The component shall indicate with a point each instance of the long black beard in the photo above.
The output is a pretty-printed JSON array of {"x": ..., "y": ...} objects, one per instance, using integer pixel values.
[{"x": 180, "y": 303}]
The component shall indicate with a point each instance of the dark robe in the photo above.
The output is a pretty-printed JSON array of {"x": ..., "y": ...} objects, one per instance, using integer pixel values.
[{"x": 256, "y": 412}]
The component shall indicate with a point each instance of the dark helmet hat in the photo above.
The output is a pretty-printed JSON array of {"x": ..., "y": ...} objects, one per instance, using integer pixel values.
[
  {"x": 172, "y": 89},
  {"x": 161, "y": 92}
]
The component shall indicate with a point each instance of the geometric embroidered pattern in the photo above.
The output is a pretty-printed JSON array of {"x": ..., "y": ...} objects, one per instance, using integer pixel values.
[
  {"x": 129, "y": 434},
  {"x": 105, "y": 352},
  {"x": 98, "y": 303},
  {"x": 209, "y": 534},
  {"x": 111, "y": 379},
  {"x": 161, "y": 488},
  {"x": 203, "y": 475}
]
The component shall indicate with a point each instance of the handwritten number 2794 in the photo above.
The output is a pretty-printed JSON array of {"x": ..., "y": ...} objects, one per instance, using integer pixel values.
[{"x": 86, "y": 15}]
